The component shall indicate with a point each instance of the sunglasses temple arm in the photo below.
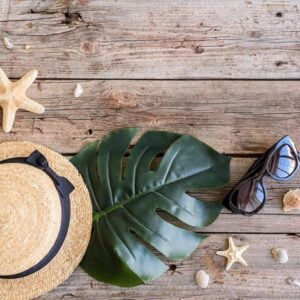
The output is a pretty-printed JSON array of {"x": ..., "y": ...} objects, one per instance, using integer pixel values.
[{"x": 298, "y": 155}]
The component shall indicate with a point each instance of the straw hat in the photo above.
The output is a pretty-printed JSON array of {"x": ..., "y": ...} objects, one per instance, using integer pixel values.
[{"x": 45, "y": 219}]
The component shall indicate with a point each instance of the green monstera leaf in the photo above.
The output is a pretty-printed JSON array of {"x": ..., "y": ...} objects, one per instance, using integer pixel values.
[{"x": 126, "y": 198}]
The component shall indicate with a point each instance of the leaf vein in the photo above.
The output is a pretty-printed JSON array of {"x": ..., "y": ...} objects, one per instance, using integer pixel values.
[
  {"x": 108, "y": 179},
  {"x": 109, "y": 223},
  {"x": 143, "y": 224},
  {"x": 102, "y": 243},
  {"x": 135, "y": 168},
  {"x": 171, "y": 200},
  {"x": 170, "y": 166}
]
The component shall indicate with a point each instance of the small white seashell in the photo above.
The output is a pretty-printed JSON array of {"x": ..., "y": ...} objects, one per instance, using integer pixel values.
[
  {"x": 8, "y": 44},
  {"x": 27, "y": 47},
  {"x": 78, "y": 90},
  {"x": 202, "y": 279},
  {"x": 291, "y": 200},
  {"x": 293, "y": 281},
  {"x": 280, "y": 255}
]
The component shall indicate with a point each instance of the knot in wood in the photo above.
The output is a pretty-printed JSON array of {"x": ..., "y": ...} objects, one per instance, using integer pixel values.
[{"x": 88, "y": 47}]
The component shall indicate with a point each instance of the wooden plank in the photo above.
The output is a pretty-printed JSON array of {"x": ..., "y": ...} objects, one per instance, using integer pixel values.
[
  {"x": 262, "y": 223},
  {"x": 221, "y": 113},
  {"x": 244, "y": 117},
  {"x": 152, "y": 38},
  {"x": 263, "y": 278}
]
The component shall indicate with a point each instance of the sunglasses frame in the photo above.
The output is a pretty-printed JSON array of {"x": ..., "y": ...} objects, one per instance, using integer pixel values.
[{"x": 260, "y": 169}]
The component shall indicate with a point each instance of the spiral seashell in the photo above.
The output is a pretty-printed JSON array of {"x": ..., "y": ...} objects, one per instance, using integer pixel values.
[{"x": 291, "y": 200}]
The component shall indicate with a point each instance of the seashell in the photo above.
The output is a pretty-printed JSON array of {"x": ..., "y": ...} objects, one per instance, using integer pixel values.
[
  {"x": 78, "y": 90},
  {"x": 293, "y": 281},
  {"x": 291, "y": 200},
  {"x": 202, "y": 279},
  {"x": 8, "y": 44},
  {"x": 280, "y": 255},
  {"x": 27, "y": 47}
]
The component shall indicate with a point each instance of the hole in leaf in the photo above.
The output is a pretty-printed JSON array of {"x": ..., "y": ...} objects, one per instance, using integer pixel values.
[
  {"x": 206, "y": 194},
  {"x": 156, "y": 161},
  {"x": 173, "y": 219},
  {"x": 151, "y": 248},
  {"x": 124, "y": 162}
]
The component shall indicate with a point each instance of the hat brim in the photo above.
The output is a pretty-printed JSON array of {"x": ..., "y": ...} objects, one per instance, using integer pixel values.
[{"x": 78, "y": 236}]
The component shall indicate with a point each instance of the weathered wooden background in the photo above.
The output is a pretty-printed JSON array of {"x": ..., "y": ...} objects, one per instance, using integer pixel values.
[{"x": 225, "y": 71}]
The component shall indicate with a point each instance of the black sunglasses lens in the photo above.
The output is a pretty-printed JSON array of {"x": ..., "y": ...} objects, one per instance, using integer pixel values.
[
  {"x": 249, "y": 196},
  {"x": 283, "y": 163}
]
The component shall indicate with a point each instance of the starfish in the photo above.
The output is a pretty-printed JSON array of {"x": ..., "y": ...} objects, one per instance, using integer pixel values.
[
  {"x": 12, "y": 98},
  {"x": 233, "y": 254}
]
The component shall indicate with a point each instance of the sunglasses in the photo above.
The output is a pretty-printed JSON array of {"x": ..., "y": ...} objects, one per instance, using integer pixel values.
[{"x": 280, "y": 162}]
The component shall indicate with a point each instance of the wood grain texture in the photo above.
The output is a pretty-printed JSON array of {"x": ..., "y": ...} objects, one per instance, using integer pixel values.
[
  {"x": 263, "y": 278},
  {"x": 239, "y": 117},
  {"x": 88, "y": 41},
  {"x": 152, "y": 38}
]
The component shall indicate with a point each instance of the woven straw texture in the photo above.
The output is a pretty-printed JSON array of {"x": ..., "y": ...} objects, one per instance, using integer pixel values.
[{"x": 30, "y": 218}]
